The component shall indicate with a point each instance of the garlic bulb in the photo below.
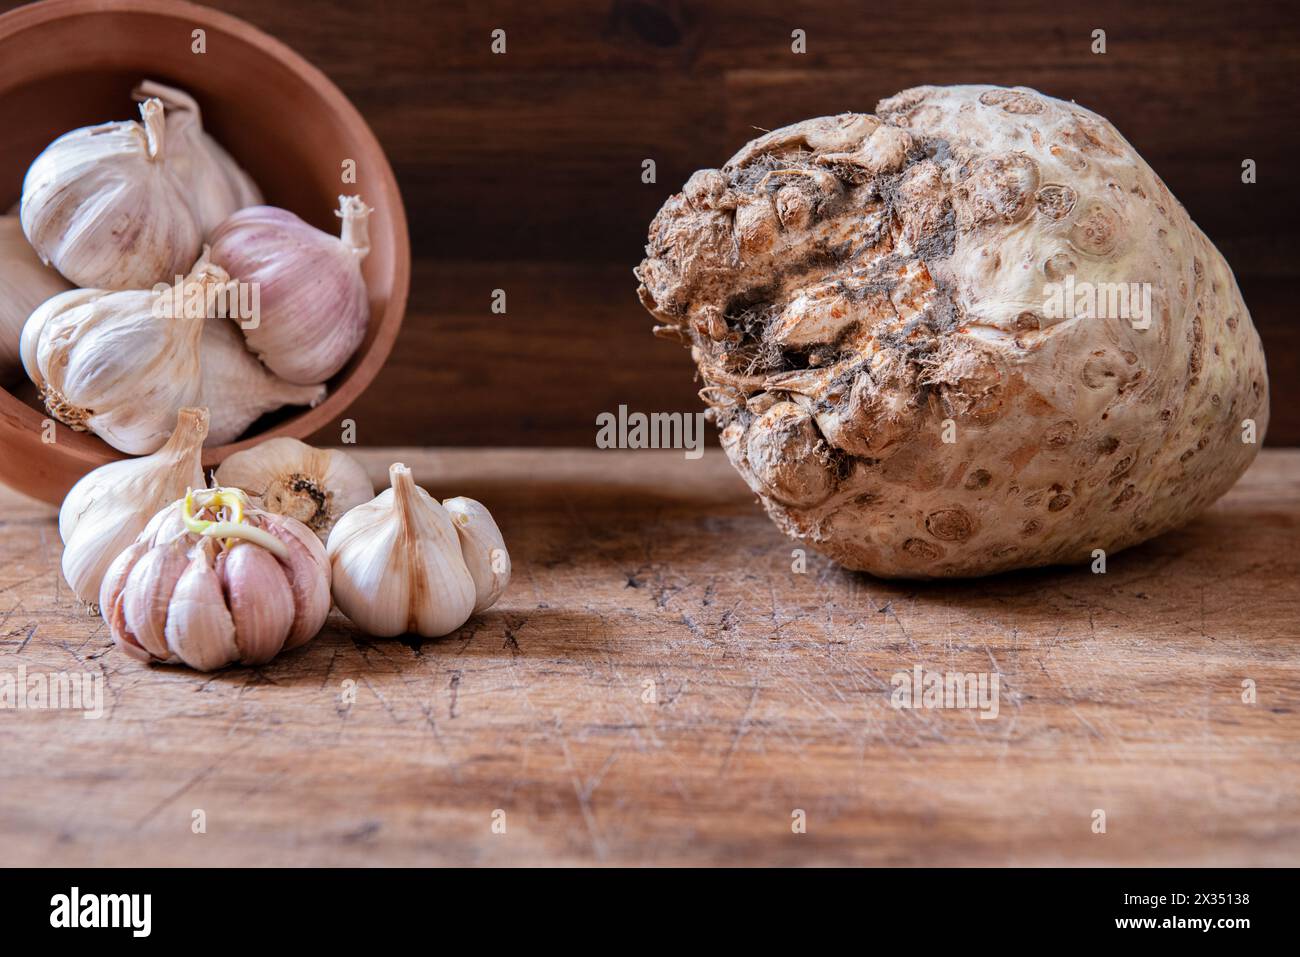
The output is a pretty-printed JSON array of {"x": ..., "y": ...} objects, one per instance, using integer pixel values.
[
  {"x": 214, "y": 580},
  {"x": 110, "y": 506},
  {"x": 238, "y": 390},
  {"x": 115, "y": 363},
  {"x": 483, "y": 549},
  {"x": 25, "y": 283},
  {"x": 288, "y": 477},
  {"x": 314, "y": 306},
  {"x": 397, "y": 564},
  {"x": 103, "y": 206},
  {"x": 214, "y": 182}
]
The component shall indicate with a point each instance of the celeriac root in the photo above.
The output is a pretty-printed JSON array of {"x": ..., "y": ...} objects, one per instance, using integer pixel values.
[{"x": 868, "y": 300}]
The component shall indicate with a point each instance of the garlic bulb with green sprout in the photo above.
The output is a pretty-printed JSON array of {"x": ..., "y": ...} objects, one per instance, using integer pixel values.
[
  {"x": 213, "y": 581},
  {"x": 104, "y": 206},
  {"x": 288, "y": 477},
  {"x": 214, "y": 182},
  {"x": 397, "y": 564},
  {"x": 25, "y": 283},
  {"x": 237, "y": 389},
  {"x": 118, "y": 363},
  {"x": 314, "y": 306},
  {"x": 110, "y": 506}
]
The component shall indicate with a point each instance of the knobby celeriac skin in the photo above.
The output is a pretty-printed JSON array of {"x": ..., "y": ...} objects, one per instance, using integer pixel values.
[{"x": 868, "y": 299}]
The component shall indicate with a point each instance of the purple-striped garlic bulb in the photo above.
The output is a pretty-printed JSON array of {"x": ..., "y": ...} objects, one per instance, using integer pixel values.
[{"x": 313, "y": 307}]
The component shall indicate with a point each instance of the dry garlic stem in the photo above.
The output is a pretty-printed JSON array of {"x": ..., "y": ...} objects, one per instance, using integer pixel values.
[
  {"x": 214, "y": 182},
  {"x": 874, "y": 304},
  {"x": 398, "y": 566},
  {"x": 110, "y": 506},
  {"x": 288, "y": 477},
  {"x": 214, "y": 580}
]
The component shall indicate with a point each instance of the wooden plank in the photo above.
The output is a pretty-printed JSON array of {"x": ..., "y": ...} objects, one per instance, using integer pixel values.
[
  {"x": 497, "y": 166},
  {"x": 672, "y": 35},
  {"x": 575, "y": 342},
  {"x": 528, "y": 136},
  {"x": 1120, "y": 692},
  {"x": 508, "y": 163},
  {"x": 462, "y": 375}
]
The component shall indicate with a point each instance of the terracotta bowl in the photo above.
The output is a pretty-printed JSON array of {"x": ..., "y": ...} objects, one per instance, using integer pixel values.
[{"x": 71, "y": 63}]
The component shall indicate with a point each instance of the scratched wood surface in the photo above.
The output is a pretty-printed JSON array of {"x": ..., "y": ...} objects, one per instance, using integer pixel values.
[{"x": 1120, "y": 692}]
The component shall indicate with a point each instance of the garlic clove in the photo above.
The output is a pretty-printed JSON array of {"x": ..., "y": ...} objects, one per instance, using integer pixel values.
[
  {"x": 314, "y": 306},
  {"x": 147, "y": 592},
  {"x": 482, "y": 547},
  {"x": 371, "y": 584},
  {"x": 260, "y": 599},
  {"x": 104, "y": 207},
  {"x": 111, "y": 505},
  {"x": 288, "y": 477},
  {"x": 397, "y": 564},
  {"x": 443, "y": 591},
  {"x": 215, "y": 183},
  {"x": 34, "y": 328},
  {"x": 199, "y": 628},
  {"x": 112, "y": 600},
  {"x": 311, "y": 589},
  {"x": 169, "y": 523},
  {"x": 237, "y": 389}
]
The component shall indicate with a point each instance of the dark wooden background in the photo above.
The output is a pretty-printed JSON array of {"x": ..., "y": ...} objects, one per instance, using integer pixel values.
[{"x": 523, "y": 171}]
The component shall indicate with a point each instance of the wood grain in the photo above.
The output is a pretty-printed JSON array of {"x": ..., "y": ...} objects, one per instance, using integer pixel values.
[
  {"x": 536, "y": 155},
  {"x": 532, "y": 157},
  {"x": 1120, "y": 692}
]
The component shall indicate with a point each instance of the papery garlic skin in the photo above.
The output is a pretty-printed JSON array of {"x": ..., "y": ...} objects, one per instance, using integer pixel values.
[
  {"x": 104, "y": 207},
  {"x": 314, "y": 307},
  {"x": 397, "y": 564},
  {"x": 237, "y": 389},
  {"x": 25, "y": 283},
  {"x": 214, "y": 182},
  {"x": 212, "y": 581},
  {"x": 482, "y": 547},
  {"x": 109, "y": 507},
  {"x": 288, "y": 477},
  {"x": 114, "y": 364}
]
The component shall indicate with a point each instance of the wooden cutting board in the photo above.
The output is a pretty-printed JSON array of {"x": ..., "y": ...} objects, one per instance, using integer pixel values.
[{"x": 659, "y": 687}]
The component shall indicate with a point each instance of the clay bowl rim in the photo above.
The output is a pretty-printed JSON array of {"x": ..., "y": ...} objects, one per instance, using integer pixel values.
[{"x": 73, "y": 454}]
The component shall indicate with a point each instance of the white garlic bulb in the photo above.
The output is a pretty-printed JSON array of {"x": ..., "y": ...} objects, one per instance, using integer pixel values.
[
  {"x": 103, "y": 206},
  {"x": 213, "y": 580},
  {"x": 314, "y": 306},
  {"x": 214, "y": 182},
  {"x": 397, "y": 564},
  {"x": 25, "y": 283},
  {"x": 116, "y": 363},
  {"x": 483, "y": 549},
  {"x": 237, "y": 389},
  {"x": 288, "y": 477},
  {"x": 110, "y": 506}
]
